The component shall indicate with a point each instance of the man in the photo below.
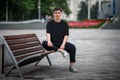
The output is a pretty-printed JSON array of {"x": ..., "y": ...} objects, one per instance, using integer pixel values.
[{"x": 57, "y": 35}]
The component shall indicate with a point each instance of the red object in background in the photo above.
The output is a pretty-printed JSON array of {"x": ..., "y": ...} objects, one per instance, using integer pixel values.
[{"x": 85, "y": 23}]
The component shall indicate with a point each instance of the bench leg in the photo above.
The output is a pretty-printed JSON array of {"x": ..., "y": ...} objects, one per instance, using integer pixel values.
[
  {"x": 18, "y": 70},
  {"x": 37, "y": 63},
  {"x": 6, "y": 74},
  {"x": 49, "y": 61},
  {"x": 15, "y": 63}
]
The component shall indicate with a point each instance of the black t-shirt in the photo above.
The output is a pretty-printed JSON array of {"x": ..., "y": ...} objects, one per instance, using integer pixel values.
[{"x": 57, "y": 30}]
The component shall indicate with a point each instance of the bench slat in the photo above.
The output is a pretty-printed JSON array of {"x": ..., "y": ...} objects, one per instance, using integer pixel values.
[
  {"x": 25, "y": 45},
  {"x": 20, "y": 41},
  {"x": 28, "y": 54},
  {"x": 31, "y": 60},
  {"x": 12, "y": 37},
  {"x": 27, "y": 50}
]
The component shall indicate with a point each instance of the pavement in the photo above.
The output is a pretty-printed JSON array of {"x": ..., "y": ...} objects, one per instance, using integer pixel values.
[
  {"x": 17, "y": 25},
  {"x": 97, "y": 57},
  {"x": 112, "y": 25}
]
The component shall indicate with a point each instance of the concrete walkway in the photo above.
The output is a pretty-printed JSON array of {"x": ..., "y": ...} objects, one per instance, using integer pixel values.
[{"x": 97, "y": 57}]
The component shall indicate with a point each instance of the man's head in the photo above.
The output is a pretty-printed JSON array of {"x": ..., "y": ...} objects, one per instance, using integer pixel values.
[
  {"x": 57, "y": 9},
  {"x": 57, "y": 13}
]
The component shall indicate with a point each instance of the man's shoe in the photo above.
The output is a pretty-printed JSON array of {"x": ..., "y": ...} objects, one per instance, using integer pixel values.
[
  {"x": 63, "y": 52},
  {"x": 73, "y": 69}
]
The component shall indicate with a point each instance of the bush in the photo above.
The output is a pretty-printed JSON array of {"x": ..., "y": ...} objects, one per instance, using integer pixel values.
[{"x": 87, "y": 24}]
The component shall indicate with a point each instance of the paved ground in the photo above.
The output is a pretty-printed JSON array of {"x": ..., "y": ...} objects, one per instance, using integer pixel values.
[
  {"x": 113, "y": 25},
  {"x": 29, "y": 24},
  {"x": 98, "y": 57}
]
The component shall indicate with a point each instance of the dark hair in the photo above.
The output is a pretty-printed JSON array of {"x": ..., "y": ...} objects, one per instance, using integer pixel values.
[{"x": 57, "y": 8}]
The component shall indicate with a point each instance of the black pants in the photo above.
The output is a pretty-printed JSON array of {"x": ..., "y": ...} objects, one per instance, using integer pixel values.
[{"x": 69, "y": 47}]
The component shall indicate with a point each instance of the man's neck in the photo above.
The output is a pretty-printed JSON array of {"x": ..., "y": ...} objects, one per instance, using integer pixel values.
[{"x": 57, "y": 20}]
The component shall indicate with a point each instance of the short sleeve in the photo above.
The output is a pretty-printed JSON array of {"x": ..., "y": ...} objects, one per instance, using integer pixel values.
[
  {"x": 48, "y": 28},
  {"x": 66, "y": 29}
]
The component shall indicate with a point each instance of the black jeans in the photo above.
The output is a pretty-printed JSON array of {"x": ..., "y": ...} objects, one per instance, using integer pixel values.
[{"x": 69, "y": 47}]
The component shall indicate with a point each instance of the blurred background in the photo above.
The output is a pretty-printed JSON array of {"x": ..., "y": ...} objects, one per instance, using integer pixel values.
[
  {"x": 89, "y": 12},
  {"x": 19, "y": 10}
]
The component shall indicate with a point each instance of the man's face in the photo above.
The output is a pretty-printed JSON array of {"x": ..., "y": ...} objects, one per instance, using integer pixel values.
[{"x": 57, "y": 14}]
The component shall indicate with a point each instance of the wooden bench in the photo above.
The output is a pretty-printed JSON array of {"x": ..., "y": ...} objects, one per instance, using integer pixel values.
[{"x": 24, "y": 49}]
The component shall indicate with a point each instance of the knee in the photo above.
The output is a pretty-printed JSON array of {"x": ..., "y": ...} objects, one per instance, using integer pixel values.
[
  {"x": 44, "y": 43},
  {"x": 73, "y": 47}
]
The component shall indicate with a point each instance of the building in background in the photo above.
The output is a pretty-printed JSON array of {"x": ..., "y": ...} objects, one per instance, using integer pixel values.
[{"x": 107, "y": 10}]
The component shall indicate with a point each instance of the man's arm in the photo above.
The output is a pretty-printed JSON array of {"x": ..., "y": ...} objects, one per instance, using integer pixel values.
[
  {"x": 49, "y": 40},
  {"x": 64, "y": 42}
]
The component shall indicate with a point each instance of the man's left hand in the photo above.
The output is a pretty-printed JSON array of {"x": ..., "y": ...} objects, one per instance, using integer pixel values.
[{"x": 62, "y": 47}]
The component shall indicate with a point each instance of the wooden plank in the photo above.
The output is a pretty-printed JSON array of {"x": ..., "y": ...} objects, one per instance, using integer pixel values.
[
  {"x": 29, "y": 54},
  {"x": 31, "y": 60},
  {"x": 24, "y": 45},
  {"x": 27, "y": 50},
  {"x": 20, "y": 41},
  {"x": 9, "y": 37}
]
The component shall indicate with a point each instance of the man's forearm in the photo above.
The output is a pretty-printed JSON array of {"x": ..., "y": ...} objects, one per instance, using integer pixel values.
[
  {"x": 65, "y": 40},
  {"x": 48, "y": 37}
]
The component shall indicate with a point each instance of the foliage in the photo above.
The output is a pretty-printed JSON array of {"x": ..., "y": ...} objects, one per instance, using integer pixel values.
[
  {"x": 87, "y": 24},
  {"x": 20, "y": 9},
  {"x": 82, "y": 13},
  {"x": 2, "y": 12},
  {"x": 99, "y": 25},
  {"x": 49, "y": 5},
  {"x": 28, "y": 9},
  {"x": 94, "y": 11}
]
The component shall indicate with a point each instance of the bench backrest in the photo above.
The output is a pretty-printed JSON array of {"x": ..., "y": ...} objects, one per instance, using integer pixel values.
[{"x": 24, "y": 45}]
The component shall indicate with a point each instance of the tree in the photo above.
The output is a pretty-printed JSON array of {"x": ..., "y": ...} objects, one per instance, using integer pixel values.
[
  {"x": 28, "y": 9},
  {"x": 94, "y": 11},
  {"x": 47, "y": 6},
  {"x": 2, "y": 10},
  {"x": 82, "y": 13},
  {"x": 20, "y": 9}
]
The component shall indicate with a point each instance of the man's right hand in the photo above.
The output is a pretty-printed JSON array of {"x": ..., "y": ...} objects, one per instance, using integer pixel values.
[{"x": 50, "y": 43}]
